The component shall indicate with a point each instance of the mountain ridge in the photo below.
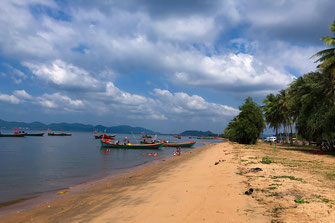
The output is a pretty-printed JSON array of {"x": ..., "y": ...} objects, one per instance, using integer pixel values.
[{"x": 75, "y": 127}]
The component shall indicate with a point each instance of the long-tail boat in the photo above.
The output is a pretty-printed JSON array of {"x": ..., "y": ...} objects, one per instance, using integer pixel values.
[
  {"x": 99, "y": 135},
  {"x": 59, "y": 134},
  {"x": 179, "y": 144},
  {"x": 107, "y": 143},
  {"x": 17, "y": 132},
  {"x": 12, "y": 135},
  {"x": 35, "y": 134}
]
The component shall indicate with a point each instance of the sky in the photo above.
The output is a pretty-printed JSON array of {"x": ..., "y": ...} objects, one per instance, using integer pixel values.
[{"x": 165, "y": 65}]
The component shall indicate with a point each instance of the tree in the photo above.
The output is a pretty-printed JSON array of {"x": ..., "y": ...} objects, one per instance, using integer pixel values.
[
  {"x": 246, "y": 127},
  {"x": 327, "y": 57},
  {"x": 272, "y": 112}
]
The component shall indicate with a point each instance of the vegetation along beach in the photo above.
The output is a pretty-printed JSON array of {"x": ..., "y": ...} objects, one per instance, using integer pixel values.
[{"x": 167, "y": 111}]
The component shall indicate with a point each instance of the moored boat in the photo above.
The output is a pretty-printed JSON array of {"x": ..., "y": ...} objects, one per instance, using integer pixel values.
[
  {"x": 13, "y": 135},
  {"x": 59, "y": 134},
  {"x": 107, "y": 143},
  {"x": 35, "y": 134},
  {"x": 99, "y": 135},
  {"x": 179, "y": 144}
]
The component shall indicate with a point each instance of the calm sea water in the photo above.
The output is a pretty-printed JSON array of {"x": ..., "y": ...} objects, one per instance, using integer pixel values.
[{"x": 32, "y": 166}]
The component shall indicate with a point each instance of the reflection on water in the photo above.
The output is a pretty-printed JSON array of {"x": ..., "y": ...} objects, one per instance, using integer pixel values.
[{"x": 31, "y": 166}]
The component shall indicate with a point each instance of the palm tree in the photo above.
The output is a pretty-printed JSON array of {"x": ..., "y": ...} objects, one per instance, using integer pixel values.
[
  {"x": 284, "y": 107},
  {"x": 272, "y": 112},
  {"x": 327, "y": 57}
]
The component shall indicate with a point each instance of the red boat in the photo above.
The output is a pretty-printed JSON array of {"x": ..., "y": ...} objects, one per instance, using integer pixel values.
[
  {"x": 17, "y": 132},
  {"x": 99, "y": 135}
]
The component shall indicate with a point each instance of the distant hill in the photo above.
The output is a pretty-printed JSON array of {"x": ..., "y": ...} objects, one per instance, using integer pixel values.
[
  {"x": 197, "y": 133},
  {"x": 75, "y": 127}
]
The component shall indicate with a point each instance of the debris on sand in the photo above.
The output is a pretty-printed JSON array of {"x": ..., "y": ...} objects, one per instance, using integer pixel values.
[
  {"x": 249, "y": 192},
  {"x": 255, "y": 170}
]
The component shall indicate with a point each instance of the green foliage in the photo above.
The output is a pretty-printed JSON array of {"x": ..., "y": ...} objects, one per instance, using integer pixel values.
[
  {"x": 327, "y": 56},
  {"x": 309, "y": 101},
  {"x": 287, "y": 177},
  {"x": 266, "y": 160},
  {"x": 299, "y": 200},
  {"x": 246, "y": 127}
]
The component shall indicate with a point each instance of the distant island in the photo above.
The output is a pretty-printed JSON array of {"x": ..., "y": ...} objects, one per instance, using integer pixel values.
[
  {"x": 126, "y": 129},
  {"x": 197, "y": 133}
]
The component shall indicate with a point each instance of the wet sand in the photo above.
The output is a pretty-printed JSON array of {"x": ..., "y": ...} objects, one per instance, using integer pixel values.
[{"x": 188, "y": 188}]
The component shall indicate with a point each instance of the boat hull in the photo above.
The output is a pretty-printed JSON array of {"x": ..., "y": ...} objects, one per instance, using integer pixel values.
[
  {"x": 12, "y": 135},
  {"x": 35, "y": 134},
  {"x": 107, "y": 144},
  {"x": 59, "y": 134},
  {"x": 106, "y": 136},
  {"x": 182, "y": 144}
]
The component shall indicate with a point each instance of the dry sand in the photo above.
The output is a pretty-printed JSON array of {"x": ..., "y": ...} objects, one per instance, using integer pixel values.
[
  {"x": 188, "y": 188},
  {"x": 293, "y": 186}
]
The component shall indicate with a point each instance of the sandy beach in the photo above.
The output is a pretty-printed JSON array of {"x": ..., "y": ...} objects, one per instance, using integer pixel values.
[
  {"x": 207, "y": 184},
  {"x": 188, "y": 188}
]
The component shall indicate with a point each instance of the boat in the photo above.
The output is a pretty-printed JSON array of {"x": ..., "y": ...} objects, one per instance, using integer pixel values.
[
  {"x": 17, "y": 132},
  {"x": 12, "y": 135},
  {"x": 177, "y": 136},
  {"x": 107, "y": 143},
  {"x": 107, "y": 136},
  {"x": 146, "y": 137},
  {"x": 35, "y": 134},
  {"x": 59, "y": 134},
  {"x": 179, "y": 144},
  {"x": 98, "y": 135}
]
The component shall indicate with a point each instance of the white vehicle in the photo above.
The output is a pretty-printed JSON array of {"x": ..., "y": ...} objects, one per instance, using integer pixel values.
[{"x": 271, "y": 139}]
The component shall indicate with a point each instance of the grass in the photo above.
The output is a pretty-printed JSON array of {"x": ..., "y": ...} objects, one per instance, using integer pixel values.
[
  {"x": 288, "y": 177},
  {"x": 299, "y": 200},
  {"x": 271, "y": 188},
  {"x": 239, "y": 173},
  {"x": 250, "y": 163},
  {"x": 330, "y": 175},
  {"x": 275, "y": 194},
  {"x": 325, "y": 200},
  {"x": 266, "y": 160}
]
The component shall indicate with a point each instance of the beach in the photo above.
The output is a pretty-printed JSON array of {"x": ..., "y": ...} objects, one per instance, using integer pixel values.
[
  {"x": 207, "y": 184},
  {"x": 188, "y": 188}
]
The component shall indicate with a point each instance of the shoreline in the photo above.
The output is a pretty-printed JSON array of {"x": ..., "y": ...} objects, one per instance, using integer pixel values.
[
  {"x": 186, "y": 188},
  {"x": 32, "y": 202}
]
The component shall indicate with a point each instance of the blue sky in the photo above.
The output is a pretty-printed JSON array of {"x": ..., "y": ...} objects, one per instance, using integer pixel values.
[{"x": 165, "y": 65}]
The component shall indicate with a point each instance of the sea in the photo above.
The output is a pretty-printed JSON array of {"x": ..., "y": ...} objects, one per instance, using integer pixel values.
[{"x": 32, "y": 166}]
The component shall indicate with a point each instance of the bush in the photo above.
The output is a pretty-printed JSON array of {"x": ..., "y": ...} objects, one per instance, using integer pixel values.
[{"x": 246, "y": 127}]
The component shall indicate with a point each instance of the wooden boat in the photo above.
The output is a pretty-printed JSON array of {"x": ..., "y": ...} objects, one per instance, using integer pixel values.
[
  {"x": 146, "y": 137},
  {"x": 35, "y": 134},
  {"x": 13, "y": 135},
  {"x": 107, "y": 143},
  {"x": 59, "y": 134},
  {"x": 179, "y": 144},
  {"x": 99, "y": 135},
  {"x": 17, "y": 132},
  {"x": 177, "y": 136}
]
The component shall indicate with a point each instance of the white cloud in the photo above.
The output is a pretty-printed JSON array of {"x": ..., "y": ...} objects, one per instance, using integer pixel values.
[
  {"x": 9, "y": 98},
  {"x": 230, "y": 73},
  {"x": 191, "y": 106},
  {"x": 197, "y": 29},
  {"x": 22, "y": 94},
  {"x": 60, "y": 102},
  {"x": 63, "y": 75}
]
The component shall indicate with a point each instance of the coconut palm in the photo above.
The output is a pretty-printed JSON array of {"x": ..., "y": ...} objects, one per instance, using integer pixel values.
[
  {"x": 272, "y": 112},
  {"x": 327, "y": 57}
]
